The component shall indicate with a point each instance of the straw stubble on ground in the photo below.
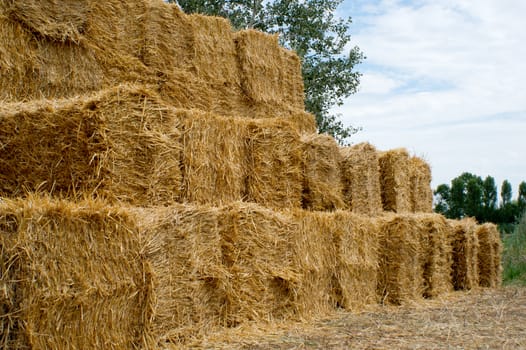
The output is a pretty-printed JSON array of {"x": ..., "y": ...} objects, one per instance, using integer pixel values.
[{"x": 485, "y": 319}]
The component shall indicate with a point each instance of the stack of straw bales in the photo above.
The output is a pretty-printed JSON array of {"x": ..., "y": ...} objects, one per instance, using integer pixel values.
[
  {"x": 176, "y": 197},
  {"x": 361, "y": 179},
  {"x": 489, "y": 255},
  {"x": 465, "y": 245}
]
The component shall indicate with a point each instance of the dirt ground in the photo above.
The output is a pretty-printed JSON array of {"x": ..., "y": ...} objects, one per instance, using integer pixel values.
[{"x": 485, "y": 319}]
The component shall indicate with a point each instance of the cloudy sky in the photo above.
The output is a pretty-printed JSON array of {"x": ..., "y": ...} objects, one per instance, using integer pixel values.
[{"x": 445, "y": 79}]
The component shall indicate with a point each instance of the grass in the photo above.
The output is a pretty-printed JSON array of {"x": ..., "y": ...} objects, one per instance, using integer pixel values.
[{"x": 514, "y": 255}]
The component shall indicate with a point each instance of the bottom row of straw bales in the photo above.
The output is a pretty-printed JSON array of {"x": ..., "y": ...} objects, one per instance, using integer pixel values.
[{"x": 88, "y": 275}]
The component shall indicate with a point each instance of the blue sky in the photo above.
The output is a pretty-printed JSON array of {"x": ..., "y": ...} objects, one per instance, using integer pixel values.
[{"x": 444, "y": 79}]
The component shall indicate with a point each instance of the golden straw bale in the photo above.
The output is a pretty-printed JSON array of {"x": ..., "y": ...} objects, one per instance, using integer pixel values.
[
  {"x": 322, "y": 185},
  {"x": 274, "y": 172},
  {"x": 400, "y": 277},
  {"x": 315, "y": 257},
  {"x": 394, "y": 180},
  {"x": 464, "y": 241},
  {"x": 35, "y": 67},
  {"x": 436, "y": 254},
  {"x": 258, "y": 253},
  {"x": 57, "y": 20},
  {"x": 273, "y": 77},
  {"x": 120, "y": 144},
  {"x": 72, "y": 277},
  {"x": 489, "y": 255},
  {"x": 183, "y": 258},
  {"x": 421, "y": 192},
  {"x": 356, "y": 240},
  {"x": 214, "y": 161},
  {"x": 361, "y": 179}
]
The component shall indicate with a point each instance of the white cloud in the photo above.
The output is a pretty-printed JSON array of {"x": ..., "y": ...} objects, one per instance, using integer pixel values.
[{"x": 436, "y": 71}]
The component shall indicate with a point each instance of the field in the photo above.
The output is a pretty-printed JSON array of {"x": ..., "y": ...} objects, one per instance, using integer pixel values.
[{"x": 485, "y": 319}]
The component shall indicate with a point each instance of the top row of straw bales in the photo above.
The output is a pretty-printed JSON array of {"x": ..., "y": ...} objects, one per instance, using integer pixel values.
[
  {"x": 125, "y": 144},
  {"x": 55, "y": 49}
]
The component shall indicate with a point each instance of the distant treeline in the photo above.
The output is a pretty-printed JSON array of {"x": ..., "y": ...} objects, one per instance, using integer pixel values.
[{"x": 470, "y": 195}]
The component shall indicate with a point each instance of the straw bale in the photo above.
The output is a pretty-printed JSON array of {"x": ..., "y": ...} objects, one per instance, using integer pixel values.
[
  {"x": 356, "y": 240},
  {"x": 464, "y": 241},
  {"x": 421, "y": 192},
  {"x": 258, "y": 253},
  {"x": 436, "y": 254},
  {"x": 323, "y": 188},
  {"x": 214, "y": 157},
  {"x": 183, "y": 257},
  {"x": 275, "y": 172},
  {"x": 394, "y": 180},
  {"x": 315, "y": 258},
  {"x": 34, "y": 67},
  {"x": 489, "y": 255},
  {"x": 57, "y": 20},
  {"x": 120, "y": 144},
  {"x": 273, "y": 77},
  {"x": 71, "y": 275},
  {"x": 361, "y": 179},
  {"x": 400, "y": 277}
]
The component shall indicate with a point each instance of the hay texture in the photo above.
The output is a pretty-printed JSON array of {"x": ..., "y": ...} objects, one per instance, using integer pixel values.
[
  {"x": 465, "y": 244},
  {"x": 120, "y": 144},
  {"x": 274, "y": 77},
  {"x": 421, "y": 192},
  {"x": 361, "y": 179},
  {"x": 489, "y": 255},
  {"x": 275, "y": 171},
  {"x": 394, "y": 180},
  {"x": 400, "y": 277},
  {"x": 355, "y": 277},
  {"x": 182, "y": 252},
  {"x": 322, "y": 189},
  {"x": 214, "y": 159},
  {"x": 436, "y": 254},
  {"x": 71, "y": 275}
]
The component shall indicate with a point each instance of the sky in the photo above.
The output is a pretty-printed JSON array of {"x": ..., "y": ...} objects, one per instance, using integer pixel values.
[{"x": 445, "y": 79}]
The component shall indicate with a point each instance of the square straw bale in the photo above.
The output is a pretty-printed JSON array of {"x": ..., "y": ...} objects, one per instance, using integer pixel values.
[
  {"x": 421, "y": 192},
  {"x": 356, "y": 240},
  {"x": 274, "y": 77},
  {"x": 275, "y": 171},
  {"x": 361, "y": 179},
  {"x": 394, "y": 180},
  {"x": 214, "y": 158},
  {"x": 33, "y": 67},
  {"x": 120, "y": 144},
  {"x": 400, "y": 277},
  {"x": 465, "y": 243},
  {"x": 183, "y": 257},
  {"x": 57, "y": 20},
  {"x": 436, "y": 254},
  {"x": 489, "y": 255},
  {"x": 316, "y": 260},
  {"x": 323, "y": 188},
  {"x": 72, "y": 276},
  {"x": 258, "y": 253}
]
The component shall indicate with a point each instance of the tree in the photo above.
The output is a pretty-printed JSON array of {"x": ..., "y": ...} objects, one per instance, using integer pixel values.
[
  {"x": 505, "y": 192},
  {"x": 489, "y": 198},
  {"x": 521, "y": 199},
  {"x": 442, "y": 198},
  {"x": 310, "y": 28},
  {"x": 474, "y": 194}
]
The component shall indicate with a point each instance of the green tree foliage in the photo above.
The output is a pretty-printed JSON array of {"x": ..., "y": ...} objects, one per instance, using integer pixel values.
[
  {"x": 471, "y": 196},
  {"x": 310, "y": 28}
]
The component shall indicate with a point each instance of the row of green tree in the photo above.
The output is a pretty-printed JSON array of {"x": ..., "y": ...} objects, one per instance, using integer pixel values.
[{"x": 471, "y": 196}]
